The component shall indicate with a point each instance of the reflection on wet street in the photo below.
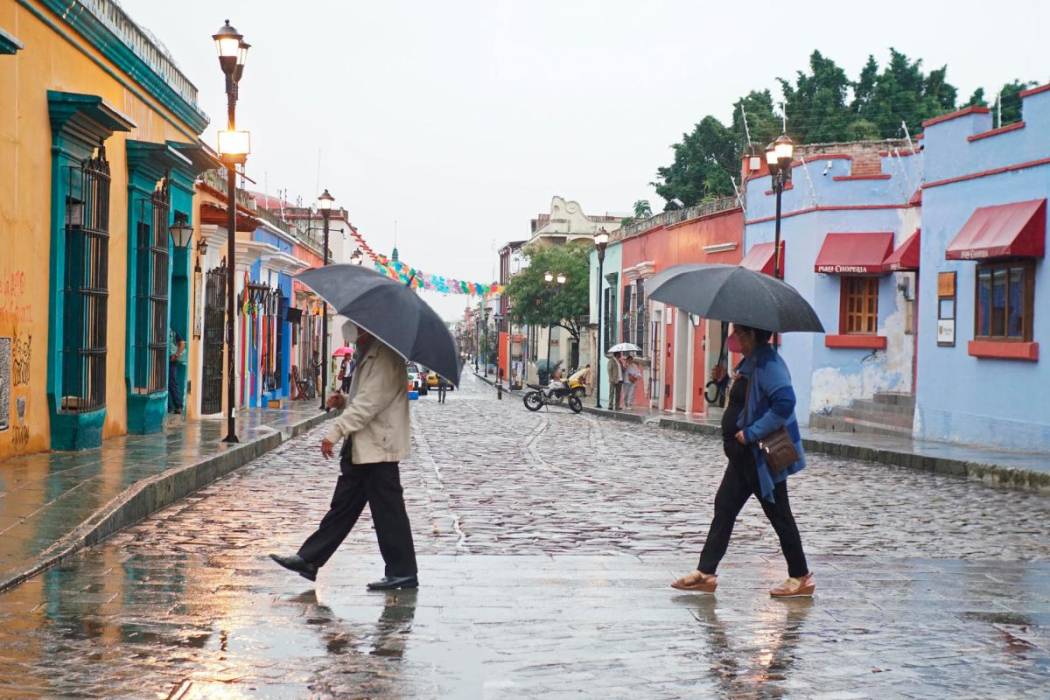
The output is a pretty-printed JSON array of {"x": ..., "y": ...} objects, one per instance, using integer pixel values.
[{"x": 546, "y": 549}]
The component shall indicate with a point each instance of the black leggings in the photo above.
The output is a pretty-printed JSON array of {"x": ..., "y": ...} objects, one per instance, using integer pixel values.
[{"x": 739, "y": 484}]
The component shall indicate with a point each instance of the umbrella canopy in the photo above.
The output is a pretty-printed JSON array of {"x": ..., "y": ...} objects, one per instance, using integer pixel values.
[
  {"x": 391, "y": 312},
  {"x": 344, "y": 350},
  {"x": 624, "y": 347},
  {"x": 735, "y": 294}
]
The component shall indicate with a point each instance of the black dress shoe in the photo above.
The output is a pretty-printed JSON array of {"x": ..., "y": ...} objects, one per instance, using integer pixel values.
[
  {"x": 389, "y": 583},
  {"x": 297, "y": 564}
]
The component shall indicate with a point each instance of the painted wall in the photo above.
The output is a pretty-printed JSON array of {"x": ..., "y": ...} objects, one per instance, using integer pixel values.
[
  {"x": 682, "y": 371},
  {"x": 818, "y": 204},
  {"x": 50, "y": 61},
  {"x": 610, "y": 265},
  {"x": 963, "y": 398}
]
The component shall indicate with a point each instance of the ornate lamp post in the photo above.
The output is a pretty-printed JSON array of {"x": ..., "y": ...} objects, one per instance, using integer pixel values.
[
  {"x": 549, "y": 277},
  {"x": 324, "y": 205},
  {"x": 601, "y": 240},
  {"x": 234, "y": 147},
  {"x": 356, "y": 258},
  {"x": 778, "y": 157}
]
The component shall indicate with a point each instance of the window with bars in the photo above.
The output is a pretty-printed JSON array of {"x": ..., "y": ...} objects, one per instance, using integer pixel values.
[
  {"x": 627, "y": 322},
  {"x": 151, "y": 294},
  {"x": 859, "y": 306},
  {"x": 609, "y": 325},
  {"x": 1005, "y": 294},
  {"x": 640, "y": 315},
  {"x": 86, "y": 282}
]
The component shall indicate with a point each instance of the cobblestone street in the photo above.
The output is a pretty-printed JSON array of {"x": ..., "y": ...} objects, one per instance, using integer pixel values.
[{"x": 547, "y": 541}]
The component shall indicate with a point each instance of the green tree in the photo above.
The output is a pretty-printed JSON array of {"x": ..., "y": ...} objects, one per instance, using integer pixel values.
[
  {"x": 903, "y": 93},
  {"x": 763, "y": 124},
  {"x": 538, "y": 303},
  {"x": 642, "y": 209},
  {"x": 1010, "y": 95},
  {"x": 977, "y": 99},
  {"x": 816, "y": 103},
  {"x": 702, "y": 167}
]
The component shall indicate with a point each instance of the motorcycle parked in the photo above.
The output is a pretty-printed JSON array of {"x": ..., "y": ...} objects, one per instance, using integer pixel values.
[{"x": 557, "y": 395}]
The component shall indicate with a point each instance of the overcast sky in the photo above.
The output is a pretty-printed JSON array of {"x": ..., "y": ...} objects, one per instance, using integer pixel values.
[{"x": 461, "y": 119}]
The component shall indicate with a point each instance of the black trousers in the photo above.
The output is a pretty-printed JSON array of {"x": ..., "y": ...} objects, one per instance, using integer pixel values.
[
  {"x": 378, "y": 485},
  {"x": 739, "y": 483}
]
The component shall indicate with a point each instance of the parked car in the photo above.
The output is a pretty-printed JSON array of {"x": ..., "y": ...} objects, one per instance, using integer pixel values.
[
  {"x": 432, "y": 381},
  {"x": 415, "y": 376}
]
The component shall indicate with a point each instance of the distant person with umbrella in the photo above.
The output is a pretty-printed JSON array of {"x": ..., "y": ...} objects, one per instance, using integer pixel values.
[
  {"x": 615, "y": 371},
  {"x": 392, "y": 325}
]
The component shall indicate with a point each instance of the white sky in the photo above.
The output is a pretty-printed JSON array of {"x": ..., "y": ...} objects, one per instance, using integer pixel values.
[{"x": 460, "y": 119}]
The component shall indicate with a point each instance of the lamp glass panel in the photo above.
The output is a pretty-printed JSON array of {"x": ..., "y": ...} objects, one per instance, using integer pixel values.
[
  {"x": 771, "y": 156},
  {"x": 228, "y": 46},
  {"x": 234, "y": 143},
  {"x": 784, "y": 150}
]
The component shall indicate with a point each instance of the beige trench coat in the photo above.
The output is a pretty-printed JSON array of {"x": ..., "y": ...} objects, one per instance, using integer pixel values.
[{"x": 376, "y": 414}]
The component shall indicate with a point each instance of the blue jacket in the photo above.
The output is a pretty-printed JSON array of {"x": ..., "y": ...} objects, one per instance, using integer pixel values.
[{"x": 770, "y": 406}]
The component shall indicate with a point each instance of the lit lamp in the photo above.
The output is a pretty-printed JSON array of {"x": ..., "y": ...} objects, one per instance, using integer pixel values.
[
  {"x": 356, "y": 258},
  {"x": 779, "y": 155},
  {"x": 561, "y": 278},
  {"x": 234, "y": 147},
  {"x": 548, "y": 277},
  {"x": 601, "y": 241},
  {"x": 181, "y": 232}
]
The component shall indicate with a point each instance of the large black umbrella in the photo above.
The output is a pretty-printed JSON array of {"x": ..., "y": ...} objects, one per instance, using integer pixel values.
[
  {"x": 390, "y": 311},
  {"x": 735, "y": 294}
]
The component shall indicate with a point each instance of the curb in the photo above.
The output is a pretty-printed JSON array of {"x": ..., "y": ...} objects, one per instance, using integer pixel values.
[
  {"x": 991, "y": 474},
  {"x": 143, "y": 498}
]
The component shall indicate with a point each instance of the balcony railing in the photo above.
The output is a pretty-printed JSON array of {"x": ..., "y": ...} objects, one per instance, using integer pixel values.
[{"x": 677, "y": 216}]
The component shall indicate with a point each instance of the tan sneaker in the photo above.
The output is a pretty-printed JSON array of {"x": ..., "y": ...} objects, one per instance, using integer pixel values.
[
  {"x": 795, "y": 588},
  {"x": 697, "y": 582}
]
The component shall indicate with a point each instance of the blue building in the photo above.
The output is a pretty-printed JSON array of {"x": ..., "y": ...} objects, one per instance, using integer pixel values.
[
  {"x": 985, "y": 285},
  {"x": 848, "y": 230}
]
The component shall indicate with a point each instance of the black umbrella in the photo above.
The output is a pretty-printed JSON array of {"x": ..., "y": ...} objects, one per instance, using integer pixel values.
[
  {"x": 390, "y": 311},
  {"x": 735, "y": 294}
]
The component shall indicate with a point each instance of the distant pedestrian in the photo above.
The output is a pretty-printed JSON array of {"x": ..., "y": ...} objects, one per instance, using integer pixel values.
[
  {"x": 176, "y": 361},
  {"x": 761, "y": 402},
  {"x": 315, "y": 369},
  {"x": 632, "y": 378},
  {"x": 615, "y": 371},
  {"x": 442, "y": 389},
  {"x": 346, "y": 372},
  {"x": 375, "y": 425}
]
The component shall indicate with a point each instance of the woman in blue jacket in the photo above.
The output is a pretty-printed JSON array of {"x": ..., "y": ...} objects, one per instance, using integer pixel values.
[{"x": 761, "y": 401}]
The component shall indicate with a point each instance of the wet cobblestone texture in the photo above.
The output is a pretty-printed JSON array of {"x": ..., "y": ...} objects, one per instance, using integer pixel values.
[{"x": 547, "y": 542}]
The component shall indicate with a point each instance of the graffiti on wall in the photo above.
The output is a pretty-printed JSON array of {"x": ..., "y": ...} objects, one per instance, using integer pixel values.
[
  {"x": 12, "y": 296},
  {"x": 5, "y": 383},
  {"x": 21, "y": 358}
]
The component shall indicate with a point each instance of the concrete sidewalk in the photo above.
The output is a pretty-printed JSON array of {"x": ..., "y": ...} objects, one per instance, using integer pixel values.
[{"x": 54, "y": 503}]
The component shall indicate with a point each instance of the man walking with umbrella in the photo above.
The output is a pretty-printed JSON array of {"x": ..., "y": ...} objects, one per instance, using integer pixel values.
[{"x": 375, "y": 426}]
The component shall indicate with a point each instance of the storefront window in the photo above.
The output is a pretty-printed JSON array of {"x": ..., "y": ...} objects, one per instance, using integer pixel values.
[
  {"x": 1004, "y": 301},
  {"x": 859, "y": 305}
]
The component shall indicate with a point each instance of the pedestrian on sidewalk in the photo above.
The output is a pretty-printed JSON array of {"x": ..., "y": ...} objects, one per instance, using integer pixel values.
[
  {"x": 632, "y": 377},
  {"x": 442, "y": 389},
  {"x": 615, "y": 371},
  {"x": 176, "y": 361},
  {"x": 761, "y": 402},
  {"x": 376, "y": 427}
]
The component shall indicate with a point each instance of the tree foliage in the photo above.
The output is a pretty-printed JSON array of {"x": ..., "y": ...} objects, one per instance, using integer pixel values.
[
  {"x": 822, "y": 104},
  {"x": 643, "y": 209},
  {"x": 537, "y": 303}
]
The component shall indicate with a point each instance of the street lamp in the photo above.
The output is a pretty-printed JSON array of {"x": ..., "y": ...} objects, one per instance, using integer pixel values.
[
  {"x": 324, "y": 205},
  {"x": 181, "y": 232},
  {"x": 234, "y": 147},
  {"x": 485, "y": 345},
  {"x": 601, "y": 240},
  {"x": 356, "y": 258},
  {"x": 778, "y": 157},
  {"x": 550, "y": 277}
]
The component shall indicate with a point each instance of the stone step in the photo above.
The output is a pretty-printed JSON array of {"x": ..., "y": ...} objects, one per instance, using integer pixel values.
[
  {"x": 889, "y": 418},
  {"x": 819, "y": 421},
  {"x": 876, "y": 408},
  {"x": 897, "y": 398}
]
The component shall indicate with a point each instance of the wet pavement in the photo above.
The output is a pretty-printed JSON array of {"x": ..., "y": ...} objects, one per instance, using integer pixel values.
[
  {"x": 45, "y": 496},
  {"x": 547, "y": 542}
]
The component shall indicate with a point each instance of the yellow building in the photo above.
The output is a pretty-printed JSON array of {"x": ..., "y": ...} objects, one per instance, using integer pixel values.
[{"x": 99, "y": 134}]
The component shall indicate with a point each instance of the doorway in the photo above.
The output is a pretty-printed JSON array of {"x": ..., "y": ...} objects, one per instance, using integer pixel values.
[{"x": 214, "y": 327}]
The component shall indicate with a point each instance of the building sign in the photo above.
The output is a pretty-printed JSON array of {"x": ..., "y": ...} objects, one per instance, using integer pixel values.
[
  {"x": 849, "y": 269},
  {"x": 946, "y": 309}
]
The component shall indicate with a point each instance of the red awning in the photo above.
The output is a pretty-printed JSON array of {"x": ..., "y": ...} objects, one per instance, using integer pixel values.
[
  {"x": 760, "y": 258},
  {"x": 906, "y": 257},
  {"x": 1004, "y": 230},
  {"x": 855, "y": 253}
]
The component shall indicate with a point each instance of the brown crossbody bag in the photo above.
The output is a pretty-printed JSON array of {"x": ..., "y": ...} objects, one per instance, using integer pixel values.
[{"x": 778, "y": 448}]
